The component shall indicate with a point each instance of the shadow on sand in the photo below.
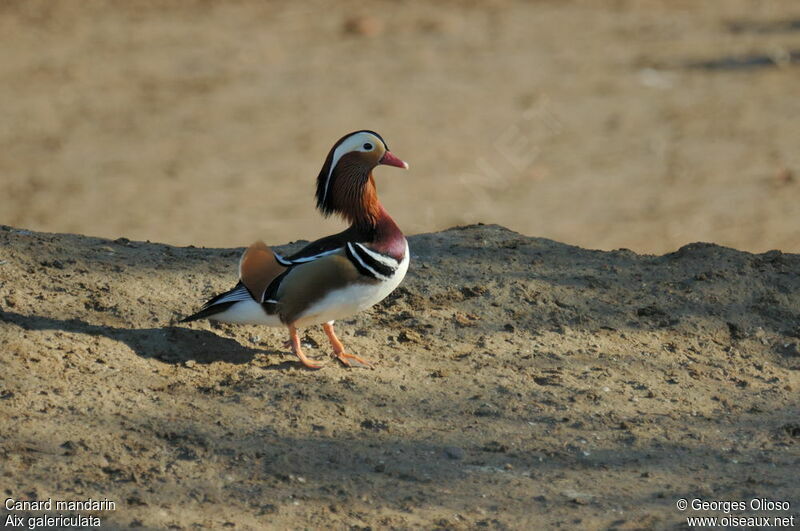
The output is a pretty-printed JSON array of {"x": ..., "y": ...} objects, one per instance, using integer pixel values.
[{"x": 170, "y": 344}]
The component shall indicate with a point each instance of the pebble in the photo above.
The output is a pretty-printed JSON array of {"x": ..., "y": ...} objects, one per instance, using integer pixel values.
[
  {"x": 580, "y": 498},
  {"x": 454, "y": 452},
  {"x": 407, "y": 336},
  {"x": 791, "y": 349},
  {"x": 363, "y": 25}
]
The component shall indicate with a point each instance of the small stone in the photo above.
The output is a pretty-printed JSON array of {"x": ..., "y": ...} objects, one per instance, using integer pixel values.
[
  {"x": 791, "y": 350},
  {"x": 454, "y": 452},
  {"x": 409, "y": 336},
  {"x": 189, "y": 363},
  {"x": 736, "y": 331},
  {"x": 486, "y": 410},
  {"x": 374, "y": 425},
  {"x": 792, "y": 429},
  {"x": 465, "y": 320},
  {"x": 579, "y": 498},
  {"x": 364, "y": 26},
  {"x": 495, "y": 447},
  {"x": 650, "y": 311},
  {"x": 69, "y": 447},
  {"x": 784, "y": 176},
  {"x": 57, "y": 264}
]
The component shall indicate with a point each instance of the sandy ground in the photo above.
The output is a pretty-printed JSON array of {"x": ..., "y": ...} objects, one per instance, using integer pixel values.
[
  {"x": 591, "y": 123},
  {"x": 520, "y": 383}
]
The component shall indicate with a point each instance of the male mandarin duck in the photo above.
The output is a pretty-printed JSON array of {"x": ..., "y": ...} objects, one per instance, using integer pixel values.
[{"x": 333, "y": 277}]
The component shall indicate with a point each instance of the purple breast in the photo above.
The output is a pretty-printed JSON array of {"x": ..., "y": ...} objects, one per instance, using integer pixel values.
[{"x": 389, "y": 239}]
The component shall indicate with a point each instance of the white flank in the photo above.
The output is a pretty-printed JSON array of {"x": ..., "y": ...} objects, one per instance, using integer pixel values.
[
  {"x": 247, "y": 312},
  {"x": 347, "y": 301}
]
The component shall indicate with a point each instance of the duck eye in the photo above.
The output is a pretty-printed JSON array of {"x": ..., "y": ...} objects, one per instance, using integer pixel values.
[{"x": 368, "y": 146}]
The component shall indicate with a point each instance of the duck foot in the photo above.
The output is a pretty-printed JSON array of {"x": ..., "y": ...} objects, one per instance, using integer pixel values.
[
  {"x": 295, "y": 340},
  {"x": 348, "y": 360}
]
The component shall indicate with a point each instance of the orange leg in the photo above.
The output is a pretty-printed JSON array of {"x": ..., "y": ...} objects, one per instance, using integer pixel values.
[
  {"x": 295, "y": 339},
  {"x": 338, "y": 349}
]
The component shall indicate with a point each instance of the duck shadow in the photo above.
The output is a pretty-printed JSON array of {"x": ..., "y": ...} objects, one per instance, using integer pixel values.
[{"x": 169, "y": 344}]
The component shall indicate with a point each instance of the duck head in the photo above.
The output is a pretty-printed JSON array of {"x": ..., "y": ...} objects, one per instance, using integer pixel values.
[{"x": 345, "y": 184}]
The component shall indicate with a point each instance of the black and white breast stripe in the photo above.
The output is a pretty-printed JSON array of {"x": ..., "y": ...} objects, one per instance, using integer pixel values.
[
  {"x": 368, "y": 262},
  {"x": 371, "y": 263}
]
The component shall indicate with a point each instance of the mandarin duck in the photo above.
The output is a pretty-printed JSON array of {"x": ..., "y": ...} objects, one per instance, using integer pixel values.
[{"x": 331, "y": 278}]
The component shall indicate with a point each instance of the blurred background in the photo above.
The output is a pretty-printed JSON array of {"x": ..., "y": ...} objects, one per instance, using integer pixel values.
[{"x": 643, "y": 124}]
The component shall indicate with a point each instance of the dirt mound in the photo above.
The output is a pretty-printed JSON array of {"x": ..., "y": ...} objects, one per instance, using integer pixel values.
[{"x": 519, "y": 381}]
